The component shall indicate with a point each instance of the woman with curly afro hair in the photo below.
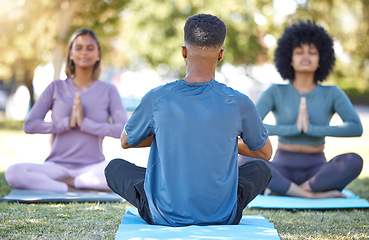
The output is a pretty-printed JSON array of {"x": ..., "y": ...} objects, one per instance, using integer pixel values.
[{"x": 303, "y": 109}]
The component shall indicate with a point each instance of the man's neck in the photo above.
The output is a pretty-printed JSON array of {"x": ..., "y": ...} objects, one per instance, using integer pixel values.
[{"x": 200, "y": 72}]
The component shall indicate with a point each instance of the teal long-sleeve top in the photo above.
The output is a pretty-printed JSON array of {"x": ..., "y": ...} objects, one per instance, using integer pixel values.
[{"x": 284, "y": 100}]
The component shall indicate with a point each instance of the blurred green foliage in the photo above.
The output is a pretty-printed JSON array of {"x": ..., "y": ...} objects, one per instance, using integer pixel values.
[
  {"x": 11, "y": 125},
  {"x": 154, "y": 29},
  {"x": 36, "y": 32},
  {"x": 140, "y": 32}
]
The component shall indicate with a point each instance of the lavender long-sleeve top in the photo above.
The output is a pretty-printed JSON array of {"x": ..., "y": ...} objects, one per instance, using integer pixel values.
[{"x": 104, "y": 115}]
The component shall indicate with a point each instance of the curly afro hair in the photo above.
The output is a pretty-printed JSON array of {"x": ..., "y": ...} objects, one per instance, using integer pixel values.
[
  {"x": 304, "y": 33},
  {"x": 204, "y": 30}
]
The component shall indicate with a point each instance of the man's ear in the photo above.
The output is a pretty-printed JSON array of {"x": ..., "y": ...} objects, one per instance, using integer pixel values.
[
  {"x": 184, "y": 52},
  {"x": 221, "y": 53}
]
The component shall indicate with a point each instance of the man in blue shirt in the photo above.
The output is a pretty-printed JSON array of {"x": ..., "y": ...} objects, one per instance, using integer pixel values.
[{"x": 196, "y": 127}]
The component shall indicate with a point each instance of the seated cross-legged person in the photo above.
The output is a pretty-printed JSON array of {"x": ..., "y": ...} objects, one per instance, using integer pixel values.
[
  {"x": 84, "y": 111},
  {"x": 303, "y": 109},
  {"x": 196, "y": 127}
]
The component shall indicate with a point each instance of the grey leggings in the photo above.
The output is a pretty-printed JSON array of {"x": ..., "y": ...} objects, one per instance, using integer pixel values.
[{"x": 288, "y": 167}]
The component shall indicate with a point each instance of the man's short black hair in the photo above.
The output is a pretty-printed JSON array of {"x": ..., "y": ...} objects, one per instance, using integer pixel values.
[
  {"x": 304, "y": 33},
  {"x": 204, "y": 30}
]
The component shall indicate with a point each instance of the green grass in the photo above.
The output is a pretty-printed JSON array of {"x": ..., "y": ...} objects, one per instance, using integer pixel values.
[
  {"x": 60, "y": 221},
  {"x": 101, "y": 220},
  {"x": 322, "y": 224}
]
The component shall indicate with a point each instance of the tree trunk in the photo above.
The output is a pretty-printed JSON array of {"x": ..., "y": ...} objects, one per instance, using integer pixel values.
[
  {"x": 28, "y": 81},
  {"x": 67, "y": 13}
]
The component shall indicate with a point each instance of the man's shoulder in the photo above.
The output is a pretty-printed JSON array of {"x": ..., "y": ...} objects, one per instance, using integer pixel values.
[
  {"x": 165, "y": 88},
  {"x": 233, "y": 95},
  {"x": 227, "y": 90},
  {"x": 161, "y": 90}
]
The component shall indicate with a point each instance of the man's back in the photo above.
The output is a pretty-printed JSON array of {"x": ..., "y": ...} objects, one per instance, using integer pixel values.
[
  {"x": 192, "y": 126},
  {"x": 191, "y": 177}
]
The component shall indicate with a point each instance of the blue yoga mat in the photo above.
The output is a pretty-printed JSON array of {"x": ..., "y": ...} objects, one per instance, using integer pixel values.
[
  {"x": 250, "y": 227},
  {"x": 284, "y": 202},
  {"x": 33, "y": 196}
]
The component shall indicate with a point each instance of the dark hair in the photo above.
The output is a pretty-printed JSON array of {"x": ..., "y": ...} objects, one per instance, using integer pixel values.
[
  {"x": 204, "y": 30},
  {"x": 304, "y": 33},
  {"x": 70, "y": 67}
]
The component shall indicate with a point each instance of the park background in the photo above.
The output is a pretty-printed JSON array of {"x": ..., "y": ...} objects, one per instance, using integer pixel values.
[{"x": 141, "y": 42}]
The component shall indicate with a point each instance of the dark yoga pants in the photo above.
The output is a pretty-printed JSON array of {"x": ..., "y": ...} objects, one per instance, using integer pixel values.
[
  {"x": 127, "y": 180},
  {"x": 295, "y": 167}
]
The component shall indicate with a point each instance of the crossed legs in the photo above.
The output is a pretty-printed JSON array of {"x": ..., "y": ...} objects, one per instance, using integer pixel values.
[
  {"x": 127, "y": 180},
  {"x": 323, "y": 181},
  {"x": 51, "y": 176}
]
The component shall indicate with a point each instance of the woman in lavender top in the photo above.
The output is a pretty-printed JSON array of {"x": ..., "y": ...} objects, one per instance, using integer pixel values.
[
  {"x": 303, "y": 109},
  {"x": 84, "y": 111}
]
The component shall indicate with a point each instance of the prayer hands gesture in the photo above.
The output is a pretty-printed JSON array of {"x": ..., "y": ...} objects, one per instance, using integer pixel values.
[
  {"x": 302, "y": 121},
  {"x": 77, "y": 115}
]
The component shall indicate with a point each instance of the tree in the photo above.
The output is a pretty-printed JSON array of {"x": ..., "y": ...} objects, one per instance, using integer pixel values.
[
  {"x": 37, "y": 31},
  {"x": 103, "y": 17},
  {"x": 25, "y": 40},
  {"x": 348, "y": 22},
  {"x": 154, "y": 29}
]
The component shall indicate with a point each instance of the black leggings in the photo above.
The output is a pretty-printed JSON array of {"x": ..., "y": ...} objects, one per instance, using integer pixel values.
[
  {"x": 298, "y": 168},
  {"x": 127, "y": 180}
]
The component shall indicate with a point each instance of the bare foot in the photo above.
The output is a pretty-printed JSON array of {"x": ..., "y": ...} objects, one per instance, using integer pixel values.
[
  {"x": 305, "y": 192},
  {"x": 267, "y": 192},
  {"x": 318, "y": 195},
  {"x": 328, "y": 194},
  {"x": 70, "y": 182}
]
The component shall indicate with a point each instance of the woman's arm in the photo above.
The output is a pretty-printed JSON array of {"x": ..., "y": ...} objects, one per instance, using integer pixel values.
[
  {"x": 351, "y": 126},
  {"x": 35, "y": 122},
  {"x": 118, "y": 116},
  {"x": 267, "y": 102}
]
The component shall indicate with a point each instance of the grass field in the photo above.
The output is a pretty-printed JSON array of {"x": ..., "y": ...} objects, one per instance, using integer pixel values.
[{"x": 101, "y": 220}]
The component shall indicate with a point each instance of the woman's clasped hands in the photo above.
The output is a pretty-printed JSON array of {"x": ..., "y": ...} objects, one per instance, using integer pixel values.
[
  {"x": 77, "y": 114},
  {"x": 302, "y": 121}
]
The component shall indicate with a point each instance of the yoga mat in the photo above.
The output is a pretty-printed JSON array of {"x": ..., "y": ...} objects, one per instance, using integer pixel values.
[
  {"x": 32, "y": 196},
  {"x": 286, "y": 202},
  {"x": 250, "y": 227}
]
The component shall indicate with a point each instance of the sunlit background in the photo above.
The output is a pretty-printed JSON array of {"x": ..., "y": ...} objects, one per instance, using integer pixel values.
[{"x": 141, "y": 43}]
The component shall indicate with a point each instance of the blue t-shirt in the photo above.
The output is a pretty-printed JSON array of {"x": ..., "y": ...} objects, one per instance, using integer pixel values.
[
  {"x": 322, "y": 102},
  {"x": 192, "y": 172}
]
